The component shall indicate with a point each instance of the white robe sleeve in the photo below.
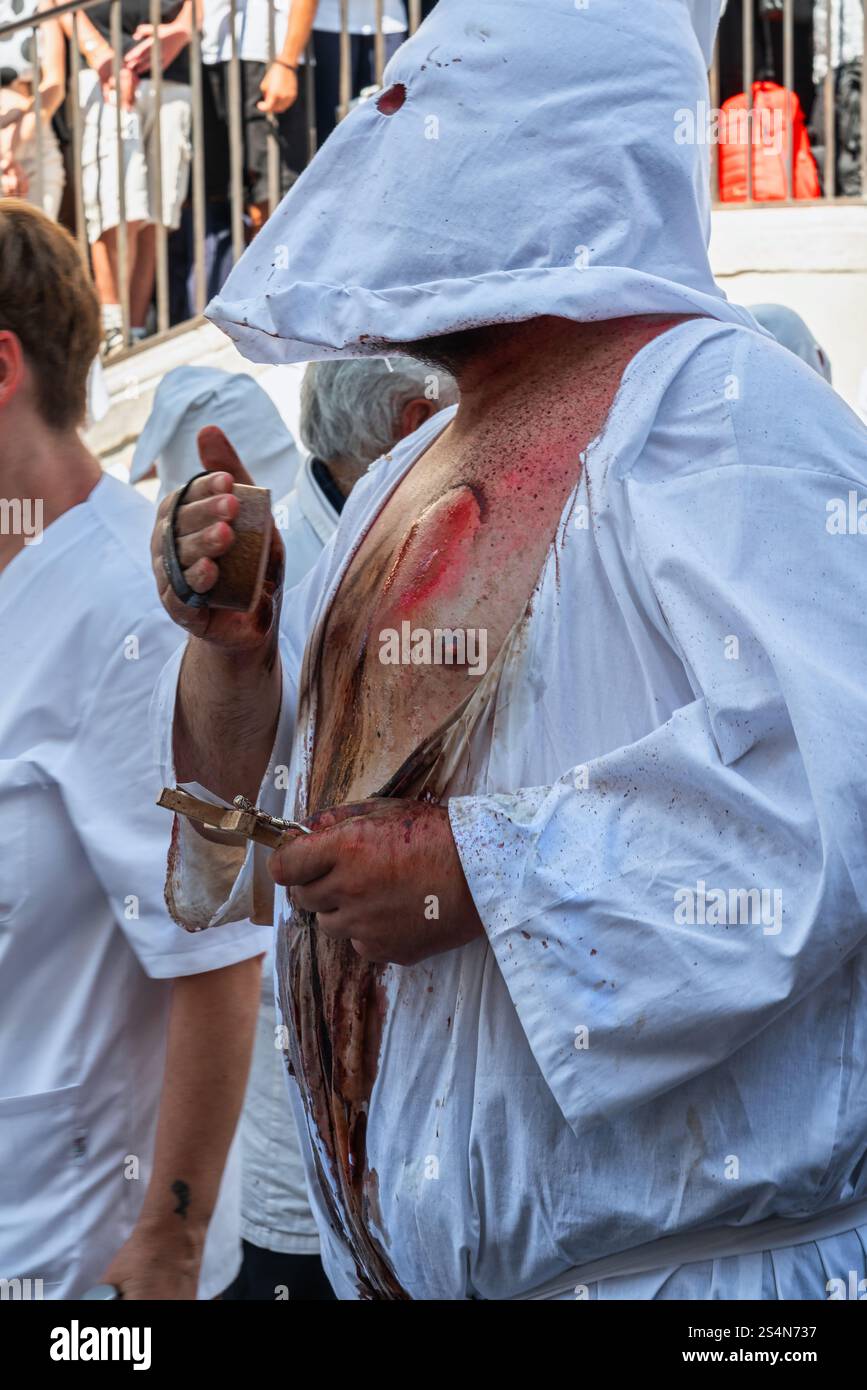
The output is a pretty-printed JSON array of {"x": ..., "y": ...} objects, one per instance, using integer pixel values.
[
  {"x": 110, "y": 785},
  {"x": 628, "y": 974},
  {"x": 209, "y": 883}
]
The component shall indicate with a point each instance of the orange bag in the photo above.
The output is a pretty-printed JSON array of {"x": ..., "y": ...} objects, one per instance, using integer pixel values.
[{"x": 773, "y": 107}]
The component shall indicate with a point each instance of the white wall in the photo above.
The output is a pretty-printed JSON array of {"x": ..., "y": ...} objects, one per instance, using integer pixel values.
[{"x": 812, "y": 259}]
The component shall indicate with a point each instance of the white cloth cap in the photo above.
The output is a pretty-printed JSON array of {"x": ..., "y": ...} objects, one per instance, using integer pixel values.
[
  {"x": 189, "y": 398},
  {"x": 532, "y": 169}
]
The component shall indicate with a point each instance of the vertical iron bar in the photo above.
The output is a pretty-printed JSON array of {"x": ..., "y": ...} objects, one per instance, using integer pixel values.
[
  {"x": 789, "y": 84},
  {"x": 122, "y": 238},
  {"x": 37, "y": 113},
  {"x": 379, "y": 46},
  {"x": 345, "y": 62},
  {"x": 714, "y": 83},
  {"x": 77, "y": 142},
  {"x": 236, "y": 141},
  {"x": 162, "y": 250},
  {"x": 828, "y": 114},
  {"x": 863, "y": 99},
  {"x": 414, "y": 15},
  {"x": 310, "y": 80},
  {"x": 199, "y": 281},
  {"x": 749, "y": 71},
  {"x": 274, "y": 166}
]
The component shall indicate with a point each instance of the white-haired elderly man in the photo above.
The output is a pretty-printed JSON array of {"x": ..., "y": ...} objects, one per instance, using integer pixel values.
[{"x": 352, "y": 413}]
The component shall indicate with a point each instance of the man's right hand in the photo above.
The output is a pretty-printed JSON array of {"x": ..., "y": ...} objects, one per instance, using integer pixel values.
[{"x": 204, "y": 533}]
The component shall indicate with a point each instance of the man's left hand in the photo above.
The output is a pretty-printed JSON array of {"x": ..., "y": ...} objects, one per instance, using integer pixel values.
[{"x": 385, "y": 875}]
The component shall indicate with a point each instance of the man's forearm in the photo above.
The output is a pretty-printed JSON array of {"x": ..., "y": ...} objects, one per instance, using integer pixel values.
[
  {"x": 94, "y": 48},
  {"x": 181, "y": 25},
  {"x": 210, "y": 1042},
  {"x": 226, "y": 717},
  {"x": 298, "y": 32}
]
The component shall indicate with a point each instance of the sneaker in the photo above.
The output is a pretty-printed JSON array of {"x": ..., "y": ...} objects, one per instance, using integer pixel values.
[{"x": 112, "y": 341}]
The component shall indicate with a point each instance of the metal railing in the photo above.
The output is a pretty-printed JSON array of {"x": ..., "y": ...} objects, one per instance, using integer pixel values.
[
  {"x": 307, "y": 75},
  {"x": 197, "y": 190}
]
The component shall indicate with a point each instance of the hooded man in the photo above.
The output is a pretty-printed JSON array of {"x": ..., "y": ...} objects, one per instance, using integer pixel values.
[{"x": 573, "y": 972}]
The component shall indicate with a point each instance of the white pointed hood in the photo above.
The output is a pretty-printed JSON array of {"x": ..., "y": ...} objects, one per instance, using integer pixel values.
[{"x": 529, "y": 166}]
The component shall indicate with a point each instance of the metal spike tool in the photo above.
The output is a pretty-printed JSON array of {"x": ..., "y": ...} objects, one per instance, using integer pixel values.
[{"x": 242, "y": 818}]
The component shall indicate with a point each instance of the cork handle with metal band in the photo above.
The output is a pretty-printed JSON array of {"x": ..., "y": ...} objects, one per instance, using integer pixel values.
[{"x": 242, "y": 568}]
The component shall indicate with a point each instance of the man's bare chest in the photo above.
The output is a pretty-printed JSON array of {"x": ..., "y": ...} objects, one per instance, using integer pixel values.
[
  {"x": 422, "y": 612},
  {"x": 446, "y": 570}
]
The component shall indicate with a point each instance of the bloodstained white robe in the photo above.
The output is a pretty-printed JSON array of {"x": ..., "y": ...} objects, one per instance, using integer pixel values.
[{"x": 660, "y": 1044}]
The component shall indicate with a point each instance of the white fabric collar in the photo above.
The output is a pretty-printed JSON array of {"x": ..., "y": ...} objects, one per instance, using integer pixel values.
[{"x": 313, "y": 503}]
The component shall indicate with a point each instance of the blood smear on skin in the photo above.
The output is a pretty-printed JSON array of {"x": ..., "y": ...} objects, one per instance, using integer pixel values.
[{"x": 435, "y": 554}]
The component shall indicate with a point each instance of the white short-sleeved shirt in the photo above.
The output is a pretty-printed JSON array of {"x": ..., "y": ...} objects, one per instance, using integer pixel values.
[
  {"x": 251, "y": 30},
  {"x": 362, "y": 17},
  {"x": 87, "y": 949},
  {"x": 251, "y": 25}
]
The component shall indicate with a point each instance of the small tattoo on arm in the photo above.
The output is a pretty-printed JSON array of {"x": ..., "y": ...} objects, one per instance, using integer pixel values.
[{"x": 181, "y": 1190}]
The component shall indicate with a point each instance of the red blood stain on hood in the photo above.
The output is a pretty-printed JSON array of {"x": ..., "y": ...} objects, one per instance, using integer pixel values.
[{"x": 392, "y": 99}]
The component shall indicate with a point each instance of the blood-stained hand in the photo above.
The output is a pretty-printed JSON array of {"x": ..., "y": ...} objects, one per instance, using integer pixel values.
[{"x": 384, "y": 874}]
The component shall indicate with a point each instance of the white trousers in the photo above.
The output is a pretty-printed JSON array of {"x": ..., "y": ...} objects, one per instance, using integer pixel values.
[{"x": 144, "y": 202}]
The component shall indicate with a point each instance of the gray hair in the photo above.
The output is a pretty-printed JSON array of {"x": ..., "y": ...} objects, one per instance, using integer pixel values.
[{"x": 350, "y": 409}]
